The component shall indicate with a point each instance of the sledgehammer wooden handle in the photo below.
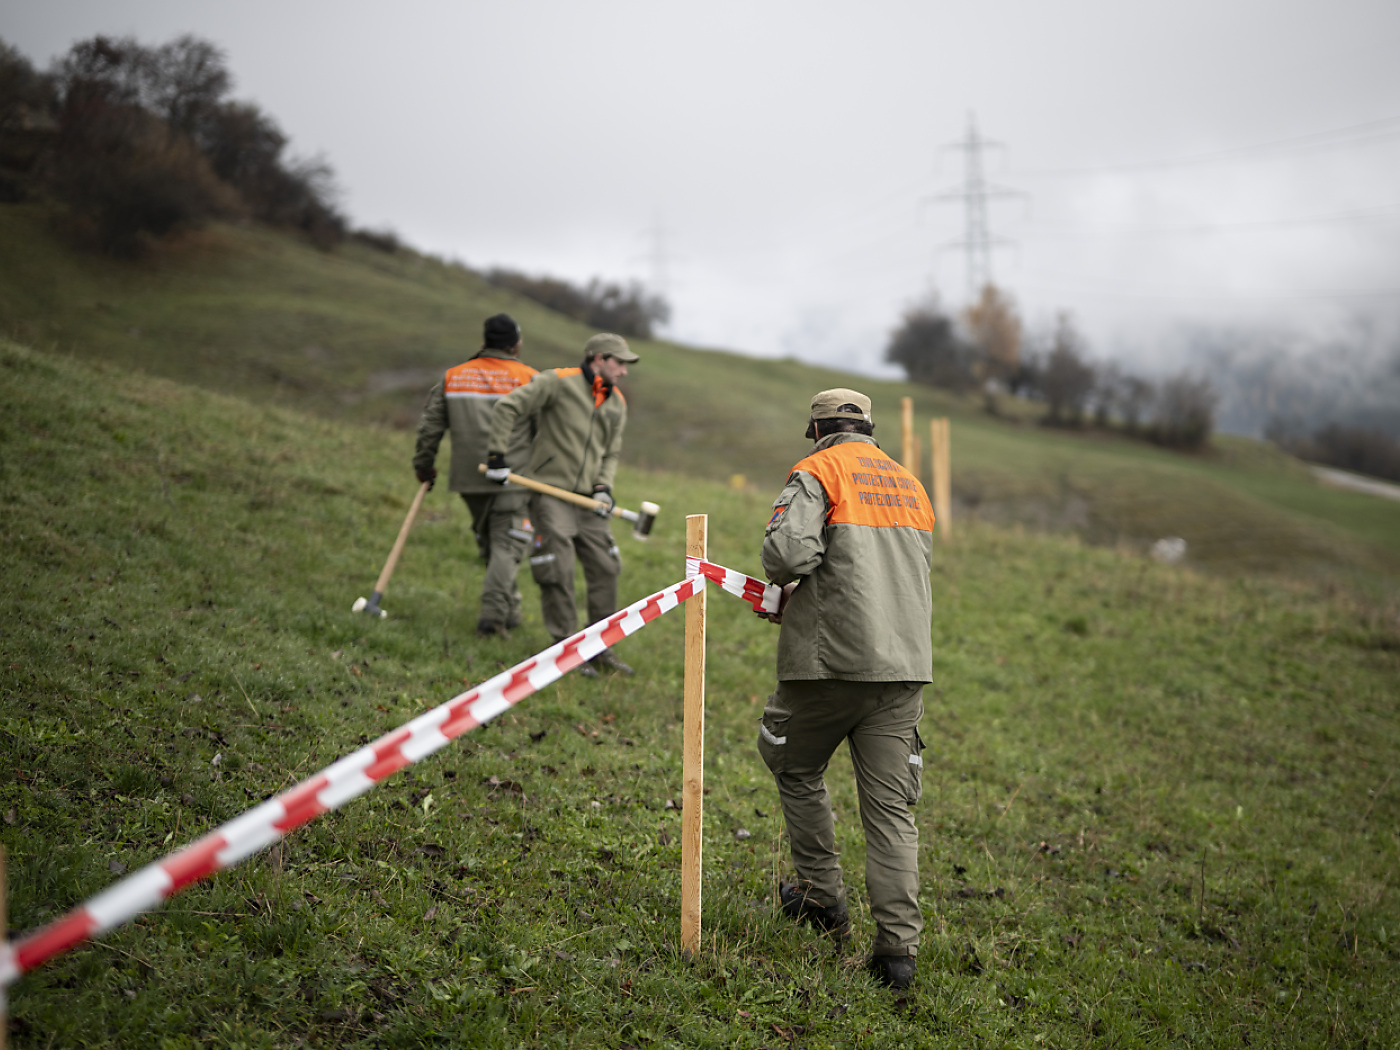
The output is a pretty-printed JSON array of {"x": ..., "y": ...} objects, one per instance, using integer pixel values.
[
  {"x": 568, "y": 497},
  {"x": 641, "y": 523},
  {"x": 403, "y": 538}
]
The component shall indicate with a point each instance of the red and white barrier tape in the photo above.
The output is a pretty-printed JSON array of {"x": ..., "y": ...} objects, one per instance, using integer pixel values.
[
  {"x": 346, "y": 779},
  {"x": 762, "y": 596}
]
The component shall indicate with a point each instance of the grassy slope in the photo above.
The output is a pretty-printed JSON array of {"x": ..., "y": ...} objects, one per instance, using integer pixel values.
[
  {"x": 1158, "y": 807},
  {"x": 356, "y": 335}
]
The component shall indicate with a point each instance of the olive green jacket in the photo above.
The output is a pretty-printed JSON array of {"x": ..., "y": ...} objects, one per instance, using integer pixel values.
[
  {"x": 462, "y": 401},
  {"x": 862, "y": 552},
  {"x": 578, "y": 428}
]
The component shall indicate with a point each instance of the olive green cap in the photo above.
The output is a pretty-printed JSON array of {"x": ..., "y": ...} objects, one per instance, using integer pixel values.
[{"x": 608, "y": 345}]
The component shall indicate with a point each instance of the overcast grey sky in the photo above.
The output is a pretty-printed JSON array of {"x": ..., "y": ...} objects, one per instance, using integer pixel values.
[{"x": 1192, "y": 160}]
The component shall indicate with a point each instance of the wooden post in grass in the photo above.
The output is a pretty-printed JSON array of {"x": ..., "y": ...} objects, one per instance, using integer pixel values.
[
  {"x": 906, "y": 445},
  {"x": 693, "y": 766},
  {"x": 941, "y": 461}
]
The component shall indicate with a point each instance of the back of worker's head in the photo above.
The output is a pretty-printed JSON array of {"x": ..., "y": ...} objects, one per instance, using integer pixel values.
[
  {"x": 500, "y": 332},
  {"x": 839, "y": 411}
]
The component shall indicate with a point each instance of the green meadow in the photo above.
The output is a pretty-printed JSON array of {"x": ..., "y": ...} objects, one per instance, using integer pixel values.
[
  {"x": 1159, "y": 808},
  {"x": 1159, "y": 803}
]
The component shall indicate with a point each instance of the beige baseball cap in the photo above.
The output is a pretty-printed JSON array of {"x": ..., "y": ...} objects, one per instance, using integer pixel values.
[
  {"x": 837, "y": 403},
  {"x": 841, "y": 403},
  {"x": 610, "y": 345}
]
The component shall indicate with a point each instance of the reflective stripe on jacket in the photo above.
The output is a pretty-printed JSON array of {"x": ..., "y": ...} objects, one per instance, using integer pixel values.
[
  {"x": 463, "y": 402},
  {"x": 856, "y": 529},
  {"x": 578, "y": 428}
]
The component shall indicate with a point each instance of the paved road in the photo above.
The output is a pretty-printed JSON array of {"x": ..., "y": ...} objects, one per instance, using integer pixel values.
[{"x": 1357, "y": 483}]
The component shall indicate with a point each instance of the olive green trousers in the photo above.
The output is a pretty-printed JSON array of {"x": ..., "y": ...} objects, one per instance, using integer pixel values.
[
  {"x": 503, "y": 535},
  {"x": 803, "y": 723},
  {"x": 563, "y": 531}
]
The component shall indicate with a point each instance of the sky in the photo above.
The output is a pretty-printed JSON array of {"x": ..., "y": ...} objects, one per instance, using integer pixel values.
[{"x": 781, "y": 171}]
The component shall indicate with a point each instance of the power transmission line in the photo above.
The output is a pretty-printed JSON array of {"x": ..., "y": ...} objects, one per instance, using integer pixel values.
[
  {"x": 1380, "y": 213},
  {"x": 1351, "y": 135}
]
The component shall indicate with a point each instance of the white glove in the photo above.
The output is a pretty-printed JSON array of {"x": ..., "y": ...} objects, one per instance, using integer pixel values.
[{"x": 605, "y": 503}]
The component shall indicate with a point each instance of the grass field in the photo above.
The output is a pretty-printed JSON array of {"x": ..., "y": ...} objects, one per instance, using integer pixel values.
[
  {"x": 357, "y": 335},
  {"x": 1159, "y": 806}
]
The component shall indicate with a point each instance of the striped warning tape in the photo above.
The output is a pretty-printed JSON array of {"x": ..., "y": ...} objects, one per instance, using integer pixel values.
[
  {"x": 762, "y": 596},
  {"x": 356, "y": 773}
]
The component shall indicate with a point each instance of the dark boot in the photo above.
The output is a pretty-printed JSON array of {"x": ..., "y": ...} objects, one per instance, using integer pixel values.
[
  {"x": 893, "y": 971},
  {"x": 832, "y": 919},
  {"x": 607, "y": 661},
  {"x": 491, "y": 629}
]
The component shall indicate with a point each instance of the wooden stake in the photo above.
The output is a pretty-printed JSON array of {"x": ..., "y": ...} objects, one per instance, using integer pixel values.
[
  {"x": 693, "y": 766},
  {"x": 906, "y": 448},
  {"x": 940, "y": 459},
  {"x": 916, "y": 455}
]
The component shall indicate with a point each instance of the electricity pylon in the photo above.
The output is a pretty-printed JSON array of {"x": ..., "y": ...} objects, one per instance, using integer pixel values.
[{"x": 977, "y": 241}]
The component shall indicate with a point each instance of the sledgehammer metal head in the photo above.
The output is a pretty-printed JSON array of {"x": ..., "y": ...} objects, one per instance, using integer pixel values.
[
  {"x": 646, "y": 517},
  {"x": 370, "y": 606}
]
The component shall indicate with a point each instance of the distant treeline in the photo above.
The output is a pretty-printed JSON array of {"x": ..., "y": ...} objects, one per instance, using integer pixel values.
[
  {"x": 625, "y": 309},
  {"x": 1362, "y": 450},
  {"x": 135, "y": 142},
  {"x": 987, "y": 348}
]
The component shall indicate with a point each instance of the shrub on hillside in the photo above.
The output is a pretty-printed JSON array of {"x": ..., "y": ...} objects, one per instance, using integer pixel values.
[
  {"x": 930, "y": 349},
  {"x": 141, "y": 141},
  {"x": 625, "y": 309},
  {"x": 386, "y": 241},
  {"x": 28, "y": 102},
  {"x": 127, "y": 177}
]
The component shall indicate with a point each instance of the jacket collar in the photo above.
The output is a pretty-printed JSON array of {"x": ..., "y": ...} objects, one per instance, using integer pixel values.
[
  {"x": 840, "y": 439},
  {"x": 601, "y": 390}
]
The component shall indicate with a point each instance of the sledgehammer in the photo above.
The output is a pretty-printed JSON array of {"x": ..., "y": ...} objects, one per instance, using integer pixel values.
[
  {"x": 641, "y": 520},
  {"x": 372, "y": 605}
]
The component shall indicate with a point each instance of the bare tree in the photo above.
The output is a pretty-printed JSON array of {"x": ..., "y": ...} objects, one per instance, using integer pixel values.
[
  {"x": 1068, "y": 378},
  {"x": 995, "y": 328},
  {"x": 1185, "y": 412},
  {"x": 1135, "y": 398},
  {"x": 188, "y": 79}
]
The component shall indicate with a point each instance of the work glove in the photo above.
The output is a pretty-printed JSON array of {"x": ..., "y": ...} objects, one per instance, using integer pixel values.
[
  {"x": 603, "y": 495},
  {"x": 427, "y": 476},
  {"x": 777, "y": 617},
  {"x": 496, "y": 468}
]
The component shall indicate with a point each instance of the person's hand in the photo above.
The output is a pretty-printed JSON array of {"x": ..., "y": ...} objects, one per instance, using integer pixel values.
[
  {"x": 605, "y": 501},
  {"x": 496, "y": 468},
  {"x": 427, "y": 477},
  {"x": 777, "y": 617}
]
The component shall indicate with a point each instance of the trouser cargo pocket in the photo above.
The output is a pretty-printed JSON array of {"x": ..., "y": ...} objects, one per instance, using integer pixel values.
[
  {"x": 916, "y": 769},
  {"x": 772, "y": 735},
  {"x": 544, "y": 567}
]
